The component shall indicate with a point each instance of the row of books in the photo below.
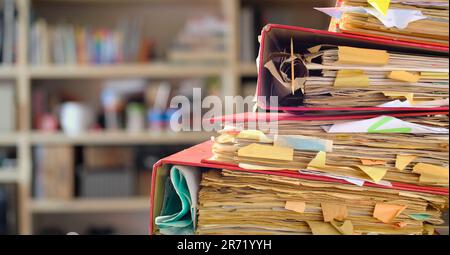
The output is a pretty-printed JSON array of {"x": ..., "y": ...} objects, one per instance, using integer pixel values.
[
  {"x": 8, "y": 32},
  {"x": 201, "y": 39},
  {"x": 67, "y": 44}
]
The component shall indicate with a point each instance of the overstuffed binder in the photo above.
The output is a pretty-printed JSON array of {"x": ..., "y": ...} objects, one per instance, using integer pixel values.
[{"x": 321, "y": 71}]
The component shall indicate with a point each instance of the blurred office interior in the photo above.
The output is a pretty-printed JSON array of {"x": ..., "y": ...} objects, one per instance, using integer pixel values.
[{"x": 85, "y": 87}]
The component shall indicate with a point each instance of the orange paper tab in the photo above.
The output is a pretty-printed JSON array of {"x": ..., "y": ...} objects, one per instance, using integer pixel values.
[
  {"x": 333, "y": 211},
  {"x": 373, "y": 162},
  {"x": 295, "y": 206},
  {"x": 387, "y": 212}
]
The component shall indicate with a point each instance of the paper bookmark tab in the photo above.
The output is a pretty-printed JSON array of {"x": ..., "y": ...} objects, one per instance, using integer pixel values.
[
  {"x": 345, "y": 228},
  {"x": 315, "y": 49},
  {"x": 434, "y": 75},
  {"x": 420, "y": 216},
  {"x": 387, "y": 212},
  {"x": 432, "y": 179},
  {"x": 224, "y": 138},
  {"x": 295, "y": 206},
  {"x": 255, "y": 150},
  {"x": 319, "y": 160},
  {"x": 256, "y": 135},
  {"x": 404, "y": 76},
  {"x": 375, "y": 173},
  {"x": 373, "y": 162},
  {"x": 380, "y": 5},
  {"x": 406, "y": 95},
  {"x": 351, "y": 78},
  {"x": 303, "y": 143},
  {"x": 431, "y": 173},
  {"x": 333, "y": 211},
  {"x": 361, "y": 56},
  {"x": 403, "y": 161},
  {"x": 322, "y": 228}
]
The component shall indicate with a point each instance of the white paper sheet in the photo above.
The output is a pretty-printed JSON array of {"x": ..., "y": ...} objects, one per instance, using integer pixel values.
[
  {"x": 193, "y": 177},
  {"x": 383, "y": 124},
  {"x": 355, "y": 181},
  {"x": 399, "y": 18}
]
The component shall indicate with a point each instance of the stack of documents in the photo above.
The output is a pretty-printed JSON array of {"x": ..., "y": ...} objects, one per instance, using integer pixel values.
[
  {"x": 408, "y": 20},
  {"x": 235, "y": 202},
  {"x": 341, "y": 76},
  {"x": 381, "y": 150}
]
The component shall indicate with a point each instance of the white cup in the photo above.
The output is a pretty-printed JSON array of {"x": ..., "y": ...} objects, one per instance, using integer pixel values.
[{"x": 75, "y": 118}]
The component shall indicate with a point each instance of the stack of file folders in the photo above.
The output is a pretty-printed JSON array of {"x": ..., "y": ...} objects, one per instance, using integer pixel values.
[
  {"x": 361, "y": 148},
  {"x": 312, "y": 177},
  {"x": 313, "y": 70},
  {"x": 411, "y": 21}
]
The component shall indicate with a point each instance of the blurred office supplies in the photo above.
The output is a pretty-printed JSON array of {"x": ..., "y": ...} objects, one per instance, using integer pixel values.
[
  {"x": 106, "y": 183},
  {"x": 76, "y": 118}
]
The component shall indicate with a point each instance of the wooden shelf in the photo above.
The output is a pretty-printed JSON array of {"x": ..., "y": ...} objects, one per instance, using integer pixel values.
[
  {"x": 121, "y": 1},
  {"x": 9, "y": 139},
  {"x": 105, "y": 138},
  {"x": 8, "y": 175},
  {"x": 248, "y": 69},
  {"x": 153, "y": 70},
  {"x": 84, "y": 205},
  {"x": 8, "y": 72}
]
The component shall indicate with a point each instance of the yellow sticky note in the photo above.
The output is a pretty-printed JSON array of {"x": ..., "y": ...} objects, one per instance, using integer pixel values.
[
  {"x": 351, "y": 78},
  {"x": 394, "y": 94},
  {"x": 380, "y": 5},
  {"x": 333, "y": 211},
  {"x": 322, "y": 228},
  {"x": 428, "y": 178},
  {"x": 431, "y": 173},
  {"x": 373, "y": 162},
  {"x": 361, "y": 56},
  {"x": 434, "y": 75},
  {"x": 387, "y": 212},
  {"x": 345, "y": 228},
  {"x": 256, "y": 135},
  {"x": 319, "y": 160},
  {"x": 255, "y": 150},
  {"x": 375, "y": 173},
  {"x": 403, "y": 161},
  {"x": 404, "y": 76},
  {"x": 295, "y": 206}
]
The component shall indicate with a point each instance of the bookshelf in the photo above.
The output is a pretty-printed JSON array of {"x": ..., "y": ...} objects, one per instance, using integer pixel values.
[
  {"x": 25, "y": 75},
  {"x": 120, "y": 138}
]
